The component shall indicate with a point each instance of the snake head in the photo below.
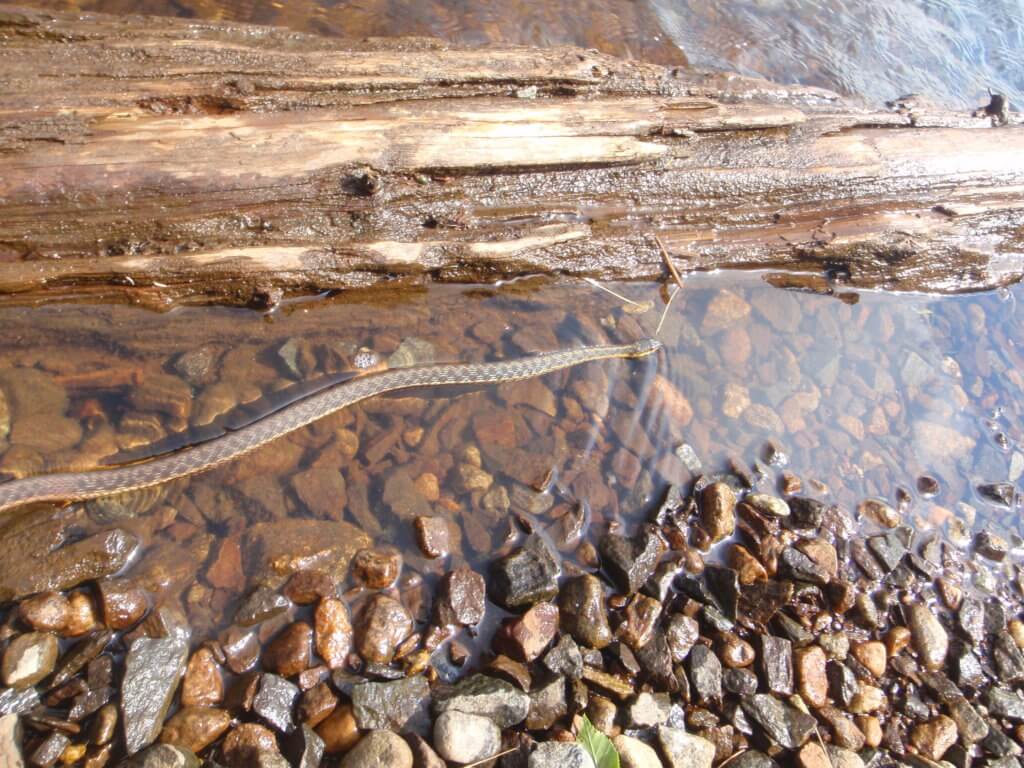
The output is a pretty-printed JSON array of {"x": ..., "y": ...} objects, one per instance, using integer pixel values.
[{"x": 645, "y": 347}]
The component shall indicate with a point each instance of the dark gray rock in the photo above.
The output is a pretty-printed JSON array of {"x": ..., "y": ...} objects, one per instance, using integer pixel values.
[
  {"x": 526, "y": 576},
  {"x": 629, "y": 562},
  {"x": 486, "y": 696},
  {"x": 261, "y": 605},
  {"x": 795, "y": 565},
  {"x": 776, "y": 663},
  {"x": 556, "y": 754},
  {"x": 786, "y": 725},
  {"x": 582, "y": 611},
  {"x": 548, "y": 704},
  {"x": 1000, "y": 494},
  {"x": 655, "y": 659},
  {"x": 1008, "y": 658},
  {"x": 275, "y": 701},
  {"x": 970, "y": 620},
  {"x": 564, "y": 658},
  {"x": 399, "y": 706},
  {"x": 991, "y": 545},
  {"x": 1005, "y": 703},
  {"x": 304, "y": 749},
  {"x": 753, "y": 758},
  {"x": 162, "y": 756},
  {"x": 705, "y": 675},
  {"x": 50, "y": 750},
  {"x": 998, "y": 743},
  {"x": 724, "y": 586},
  {"x": 742, "y": 682},
  {"x": 842, "y": 682},
  {"x": 888, "y": 549},
  {"x": 806, "y": 512},
  {"x": 15, "y": 702},
  {"x": 81, "y": 654},
  {"x": 153, "y": 668}
]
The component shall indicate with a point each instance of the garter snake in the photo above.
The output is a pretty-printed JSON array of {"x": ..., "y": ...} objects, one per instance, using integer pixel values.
[{"x": 81, "y": 486}]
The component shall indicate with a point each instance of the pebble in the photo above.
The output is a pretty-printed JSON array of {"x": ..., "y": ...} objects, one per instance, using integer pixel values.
[
  {"x": 338, "y": 730},
  {"x": 306, "y": 587},
  {"x": 788, "y": 726},
  {"x": 384, "y": 623},
  {"x": 554, "y": 754},
  {"x": 195, "y": 728},
  {"x": 933, "y": 738},
  {"x": 288, "y": 654},
  {"x": 460, "y": 737},
  {"x": 525, "y": 576},
  {"x": 872, "y": 655},
  {"x": 583, "y": 613},
  {"x": 681, "y": 633},
  {"x": 766, "y": 504},
  {"x": 332, "y": 628},
  {"x": 928, "y": 636},
  {"x": 812, "y": 682},
  {"x": 153, "y": 668},
  {"x": 161, "y": 756},
  {"x": 629, "y": 562},
  {"x": 433, "y": 536},
  {"x": 460, "y": 599},
  {"x": 776, "y": 661},
  {"x": 685, "y": 750},
  {"x": 122, "y": 603},
  {"x": 525, "y": 638},
  {"x": 633, "y": 753},
  {"x": 244, "y": 742},
  {"x": 748, "y": 568},
  {"x": 399, "y": 705},
  {"x": 275, "y": 701},
  {"x": 486, "y": 696},
  {"x": 376, "y": 568},
  {"x": 203, "y": 685},
  {"x": 879, "y": 512},
  {"x": 28, "y": 659},
  {"x": 379, "y": 749},
  {"x": 718, "y": 511},
  {"x": 45, "y": 612}
]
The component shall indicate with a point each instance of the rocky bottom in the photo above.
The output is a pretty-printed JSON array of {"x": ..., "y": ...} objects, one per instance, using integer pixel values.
[{"x": 736, "y": 626}]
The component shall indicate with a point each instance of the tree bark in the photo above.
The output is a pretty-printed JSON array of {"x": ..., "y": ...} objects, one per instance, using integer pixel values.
[{"x": 163, "y": 161}]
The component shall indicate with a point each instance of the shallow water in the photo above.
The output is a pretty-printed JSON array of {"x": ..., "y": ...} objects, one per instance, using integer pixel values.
[
  {"x": 854, "y": 400},
  {"x": 950, "y": 50}
]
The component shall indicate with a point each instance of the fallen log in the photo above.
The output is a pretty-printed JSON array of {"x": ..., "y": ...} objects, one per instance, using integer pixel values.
[{"x": 162, "y": 161}]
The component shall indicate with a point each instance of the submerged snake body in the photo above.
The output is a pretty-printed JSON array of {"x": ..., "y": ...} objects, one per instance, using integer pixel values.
[{"x": 80, "y": 486}]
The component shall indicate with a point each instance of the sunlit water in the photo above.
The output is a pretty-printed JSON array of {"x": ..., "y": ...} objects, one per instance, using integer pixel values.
[
  {"x": 952, "y": 51},
  {"x": 861, "y": 399}
]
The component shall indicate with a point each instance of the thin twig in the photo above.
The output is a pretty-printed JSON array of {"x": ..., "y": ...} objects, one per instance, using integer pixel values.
[
  {"x": 618, "y": 296},
  {"x": 664, "y": 312},
  {"x": 730, "y": 758},
  {"x": 492, "y": 757},
  {"x": 668, "y": 262},
  {"x": 823, "y": 747}
]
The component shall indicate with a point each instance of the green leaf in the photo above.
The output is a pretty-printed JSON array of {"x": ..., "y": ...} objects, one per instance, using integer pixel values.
[{"x": 598, "y": 745}]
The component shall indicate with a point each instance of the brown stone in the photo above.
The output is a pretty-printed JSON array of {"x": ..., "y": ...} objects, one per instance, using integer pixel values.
[
  {"x": 289, "y": 652},
  {"x": 195, "y": 728},
  {"x": 870, "y": 726},
  {"x": 718, "y": 511},
  {"x": 279, "y": 549},
  {"x": 822, "y": 554},
  {"x": 306, "y": 587},
  {"x": 45, "y": 612},
  {"x": 641, "y": 618},
  {"x": 737, "y": 653},
  {"x": 241, "y": 649},
  {"x": 28, "y": 659},
  {"x": 433, "y": 536},
  {"x": 525, "y": 637},
  {"x": 225, "y": 572},
  {"x": 747, "y": 567},
  {"x": 872, "y": 655},
  {"x": 896, "y": 640},
  {"x": 82, "y": 617},
  {"x": 383, "y": 624},
  {"x": 122, "y": 603},
  {"x": 377, "y": 568},
  {"x": 333, "y": 632},
  {"x": 461, "y": 598},
  {"x": 244, "y": 743},
  {"x": 724, "y": 310},
  {"x": 339, "y": 730},
  {"x": 933, "y": 738},
  {"x": 812, "y": 682},
  {"x": 203, "y": 685},
  {"x": 879, "y": 512},
  {"x": 316, "y": 704}
]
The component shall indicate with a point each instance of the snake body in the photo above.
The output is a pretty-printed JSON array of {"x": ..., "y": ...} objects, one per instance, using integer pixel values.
[{"x": 81, "y": 486}]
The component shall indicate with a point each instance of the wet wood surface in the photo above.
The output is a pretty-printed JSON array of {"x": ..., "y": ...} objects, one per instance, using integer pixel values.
[{"x": 164, "y": 161}]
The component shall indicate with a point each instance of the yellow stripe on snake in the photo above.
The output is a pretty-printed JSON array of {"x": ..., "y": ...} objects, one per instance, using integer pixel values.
[{"x": 80, "y": 486}]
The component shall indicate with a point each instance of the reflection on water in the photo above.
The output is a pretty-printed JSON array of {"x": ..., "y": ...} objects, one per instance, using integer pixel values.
[
  {"x": 786, "y": 388},
  {"x": 949, "y": 50}
]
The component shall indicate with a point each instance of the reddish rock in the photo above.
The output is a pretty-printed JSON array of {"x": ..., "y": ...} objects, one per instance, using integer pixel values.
[
  {"x": 383, "y": 624},
  {"x": 242, "y": 746},
  {"x": 82, "y": 617},
  {"x": 203, "y": 685},
  {"x": 316, "y": 704},
  {"x": 306, "y": 587},
  {"x": 433, "y": 536},
  {"x": 718, "y": 511},
  {"x": 460, "y": 598},
  {"x": 226, "y": 570},
  {"x": 289, "y": 652},
  {"x": 377, "y": 568},
  {"x": 46, "y": 612},
  {"x": 195, "y": 728},
  {"x": 333, "y": 632},
  {"x": 641, "y": 616},
  {"x": 339, "y": 730},
  {"x": 524, "y": 638},
  {"x": 122, "y": 603},
  {"x": 812, "y": 682},
  {"x": 241, "y": 649}
]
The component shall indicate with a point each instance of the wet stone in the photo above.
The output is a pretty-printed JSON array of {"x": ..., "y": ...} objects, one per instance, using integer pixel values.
[
  {"x": 525, "y": 638},
  {"x": 288, "y": 654},
  {"x": 888, "y": 549},
  {"x": 724, "y": 588},
  {"x": 46, "y": 612},
  {"x": 794, "y": 564},
  {"x": 384, "y": 623},
  {"x": 316, "y": 704},
  {"x": 582, "y": 611},
  {"x": 376, "y": 568},
  {"x": 195, "y": 728},
  {"x": 934, "y": 738},
  {"x": 244, "y": 742},
  {"x": 629, "y": 562},
  {"x": 275, "y": 701},
  {"x": 122, "y": 603},
  {"x": 1008, "y": 657},
  {"x": 304, "y": 749},
  {"x": 718, "y": 511},
  {"x": 565, "y": 658},
  {"x": 49, "y": 752},
  {"x": 460, "y": 737},
  {"x": 15, "y": 702},
  {"x": 526, "y": 576},
  {"x": 970, "y": 620},
  {"x": 28, "y": 659},
  {"x": 768, "y": 505},
  {"x": 992, "y": 546},
  {"x": 742, "y": 682},
  {"x": 928, "y": 636},
  {"x": 332, "y": 632},
  {"x": 515, "y": 672},
  {"x": 153, "y": 668},
  {"x": 400, "y": 705},
  {"x": 460, "y": 598},
  {"x": 1000, "y": 494},
  {"x": 241, "y": 649},
  {"x": 338, "y": 730},
  {"x": 261, "y": 605},
  {"x": 648, "y": 710},
  {"x": 787, "y": 726},
  {"x": 203, "y": 685},
  {"x": 685, "y": 750},
  {"x": 433, "y": 536},
  {"x": 308, "y": 586},
  {"x": 548, "y": 704},
  {"x": 879, "y": 512},
  {"x": 486, "y": 696},
  {"x": 806, "y": 512},
  {"x": 705, "y": 675}
]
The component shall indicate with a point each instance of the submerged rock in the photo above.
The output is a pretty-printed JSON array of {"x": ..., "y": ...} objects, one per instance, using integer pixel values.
[
  {"x": 526, "y": 576},
  {"x": 153, "y": 668}
]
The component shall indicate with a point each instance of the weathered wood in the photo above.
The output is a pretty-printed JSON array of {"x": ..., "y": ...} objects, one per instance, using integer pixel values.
[{"x": 162, "y": 161}]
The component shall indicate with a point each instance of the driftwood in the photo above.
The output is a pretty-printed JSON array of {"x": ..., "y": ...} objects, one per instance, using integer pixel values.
[{"x": 162, "y": 161}]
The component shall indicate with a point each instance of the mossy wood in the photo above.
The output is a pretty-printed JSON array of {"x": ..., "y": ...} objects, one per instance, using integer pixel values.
[{"x": 163, "y": 161}]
